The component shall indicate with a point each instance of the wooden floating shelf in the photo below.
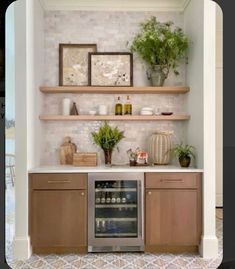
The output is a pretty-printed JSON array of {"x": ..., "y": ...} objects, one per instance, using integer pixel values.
[
  {"x": 174, "y": 117},
  {"x": 120, "y": 90}
]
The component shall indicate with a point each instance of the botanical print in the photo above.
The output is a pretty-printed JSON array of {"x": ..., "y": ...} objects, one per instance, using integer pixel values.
[
  {"x": 75, "y": 65},
  {"x": 110, "y": 70}
]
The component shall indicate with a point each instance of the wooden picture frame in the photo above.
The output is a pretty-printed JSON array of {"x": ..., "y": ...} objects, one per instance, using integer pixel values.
[
  {"x": 110, "y": 69},
  {"x": 73, "y": 64}
]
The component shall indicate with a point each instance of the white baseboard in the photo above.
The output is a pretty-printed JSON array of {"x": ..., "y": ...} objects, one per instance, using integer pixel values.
[
  {"x": 21, "y": 248},
  {"x": 219, "y": 199},
  {"x": 209, "y": 247}
]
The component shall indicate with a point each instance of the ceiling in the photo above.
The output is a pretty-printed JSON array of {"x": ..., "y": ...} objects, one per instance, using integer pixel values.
[{"x": 135, "y": 5}]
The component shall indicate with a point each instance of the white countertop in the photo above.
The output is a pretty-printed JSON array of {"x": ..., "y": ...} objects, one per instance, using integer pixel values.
[{"x": 115, "y": 168}]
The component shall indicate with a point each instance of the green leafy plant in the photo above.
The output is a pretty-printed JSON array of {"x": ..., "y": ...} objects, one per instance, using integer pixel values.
[
  {"x": 159, "y": 44},
  {"x": 182, "y": 151},
  {"x": 107, "y": 138}
]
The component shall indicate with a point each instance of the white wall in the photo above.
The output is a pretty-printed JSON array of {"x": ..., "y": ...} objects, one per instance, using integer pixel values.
[
  {"x": 219, "y": 107},
  {"x": 200, "y": 27},
  {"x": 29, "y": 65},
  {"x": 35, "y": 61},
  {"x": 21, "y": 246},
  {"x": 193, "y": 23},
  {"x": 10, "y": 63}
]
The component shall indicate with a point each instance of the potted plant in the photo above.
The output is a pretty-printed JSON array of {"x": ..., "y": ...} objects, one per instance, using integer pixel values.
[
  {"x": 107, "y": 138},
  {"x": 184, "y": 154},
  {"x": 161, "y": 46}
]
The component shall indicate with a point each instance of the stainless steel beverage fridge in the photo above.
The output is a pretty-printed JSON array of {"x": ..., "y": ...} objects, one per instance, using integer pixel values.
[{"x": 115, "y": 212}]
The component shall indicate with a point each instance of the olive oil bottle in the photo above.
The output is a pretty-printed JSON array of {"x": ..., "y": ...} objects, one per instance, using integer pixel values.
[
  {"x": 118, "y": 107},
  {"x": 128, "y": 106}
]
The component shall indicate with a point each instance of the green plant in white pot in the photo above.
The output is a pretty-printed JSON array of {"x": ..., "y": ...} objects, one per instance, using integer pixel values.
[{"x": 160, "y": 45}]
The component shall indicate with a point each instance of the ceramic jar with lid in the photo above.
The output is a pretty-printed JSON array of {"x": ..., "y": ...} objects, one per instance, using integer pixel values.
[{"x": 160, "y": 144}]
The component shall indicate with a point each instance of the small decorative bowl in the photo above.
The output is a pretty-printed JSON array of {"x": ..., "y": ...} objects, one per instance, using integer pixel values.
[
  {"x": 167, "y": 113},
  {"x": 92, "y": 112}
]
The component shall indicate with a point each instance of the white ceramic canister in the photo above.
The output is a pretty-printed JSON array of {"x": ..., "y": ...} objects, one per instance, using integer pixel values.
[
  {"x": 66, "y": 106},
  {"x": 160, "y": 144}
]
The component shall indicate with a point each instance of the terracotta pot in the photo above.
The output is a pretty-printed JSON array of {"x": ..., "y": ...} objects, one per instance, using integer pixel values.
[
  {"x": 108, "y": 156},
  {"x": 184, "y": 161}
]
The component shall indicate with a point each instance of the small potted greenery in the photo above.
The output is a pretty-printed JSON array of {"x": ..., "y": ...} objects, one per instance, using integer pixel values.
[
  {"x": 184, "y": 154},
  {"x": 161, "y": 46},
  {"x": 107, "y": 138}
]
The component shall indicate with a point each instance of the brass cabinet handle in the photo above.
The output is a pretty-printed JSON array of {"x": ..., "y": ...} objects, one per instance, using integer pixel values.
[
  {"x": 82, "y": 193},
  {"x": 149, "y": 192},
  {"x": 172, "y": 180},
  {"x": 58, "y": 181}
]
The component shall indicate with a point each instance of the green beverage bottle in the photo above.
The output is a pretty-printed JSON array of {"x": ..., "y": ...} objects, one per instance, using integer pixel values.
[
  {"x": 128, "y": 106},
  {"x": 118, "y": 107}
]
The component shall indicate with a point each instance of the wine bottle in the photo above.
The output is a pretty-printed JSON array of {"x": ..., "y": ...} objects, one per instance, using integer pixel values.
[
  {"x": 123, "y": 198},
  {"x": 108, "y": 198},
  {"x": 98, "y": 195},
  {"x": 113, "y": 199},
  {"x": 97, "y": 199},
  {"x": 128, "y": 106},
  {"x": 119, "y": 198},
  {"x": 103, "y": 199},
  {"x": 118, "y": 107}
]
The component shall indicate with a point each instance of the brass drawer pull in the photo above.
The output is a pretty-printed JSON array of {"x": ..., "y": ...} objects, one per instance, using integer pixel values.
[
  {"x": 149, "y": 192},
  {"x": 82, "y": 194},
  {"x": 172, "y": 180},
  {"x": 58, "y": 181}
]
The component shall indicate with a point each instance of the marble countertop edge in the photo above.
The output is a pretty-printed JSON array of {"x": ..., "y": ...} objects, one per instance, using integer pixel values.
[{"x": 114, "y": 168}]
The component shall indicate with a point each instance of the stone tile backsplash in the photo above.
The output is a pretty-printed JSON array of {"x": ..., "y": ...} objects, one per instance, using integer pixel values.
[
  {"x": 136, "y": 134},
  {"x": 52, "y": 103},
  {"x": 111, "y": 31}
]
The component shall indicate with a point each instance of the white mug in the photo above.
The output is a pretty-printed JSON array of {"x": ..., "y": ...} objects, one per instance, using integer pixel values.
[
  {"x": 103, "y": 110},
  {"x": 66, "y": 106}
]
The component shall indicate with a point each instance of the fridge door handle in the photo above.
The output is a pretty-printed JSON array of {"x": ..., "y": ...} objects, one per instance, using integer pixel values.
[{"x": 141, "y": 209}]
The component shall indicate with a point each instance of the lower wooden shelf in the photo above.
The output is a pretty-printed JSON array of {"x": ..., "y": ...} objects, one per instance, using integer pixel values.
[{"x": 174, "y": 117}]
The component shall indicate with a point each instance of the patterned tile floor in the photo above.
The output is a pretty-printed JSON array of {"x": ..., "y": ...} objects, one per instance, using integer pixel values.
[{"x": 108, "y": 260}]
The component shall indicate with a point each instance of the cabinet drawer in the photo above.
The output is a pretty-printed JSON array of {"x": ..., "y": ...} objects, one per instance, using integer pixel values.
[
  {"x": 172, "y": 180},
  {"x": 59, "y": 181}
]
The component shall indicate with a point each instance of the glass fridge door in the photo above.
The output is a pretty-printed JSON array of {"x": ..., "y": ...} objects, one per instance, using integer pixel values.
[{"x": 116, "y": 209}]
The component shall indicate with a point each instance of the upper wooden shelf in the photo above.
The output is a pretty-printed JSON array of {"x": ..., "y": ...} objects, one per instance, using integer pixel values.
[{"x": 134, "y": 90}]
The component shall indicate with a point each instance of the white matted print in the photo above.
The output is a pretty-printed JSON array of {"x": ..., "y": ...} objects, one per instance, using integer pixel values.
[
  {"x": 111, "y": 69},
  {"x": 73, "y": 64}
]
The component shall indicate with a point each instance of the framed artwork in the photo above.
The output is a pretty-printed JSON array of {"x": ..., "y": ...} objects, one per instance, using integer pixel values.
[
  {"x": 73, "y": 64},
  {"x": 111, "y": 69}
]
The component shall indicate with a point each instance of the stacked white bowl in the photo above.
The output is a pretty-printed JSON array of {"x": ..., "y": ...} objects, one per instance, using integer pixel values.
[{"x": 146, "y": 111}]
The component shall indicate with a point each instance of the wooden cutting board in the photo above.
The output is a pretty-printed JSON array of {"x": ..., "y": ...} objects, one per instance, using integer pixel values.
[
  {"x": 85, "y": 159},
  {"x": 67, "y": 149}
]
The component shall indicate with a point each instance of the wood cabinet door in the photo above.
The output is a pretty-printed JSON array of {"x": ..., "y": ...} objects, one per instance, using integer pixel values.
[
  {"x": 172, "y": 217},
  {"x": 59, "y": 218}
]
